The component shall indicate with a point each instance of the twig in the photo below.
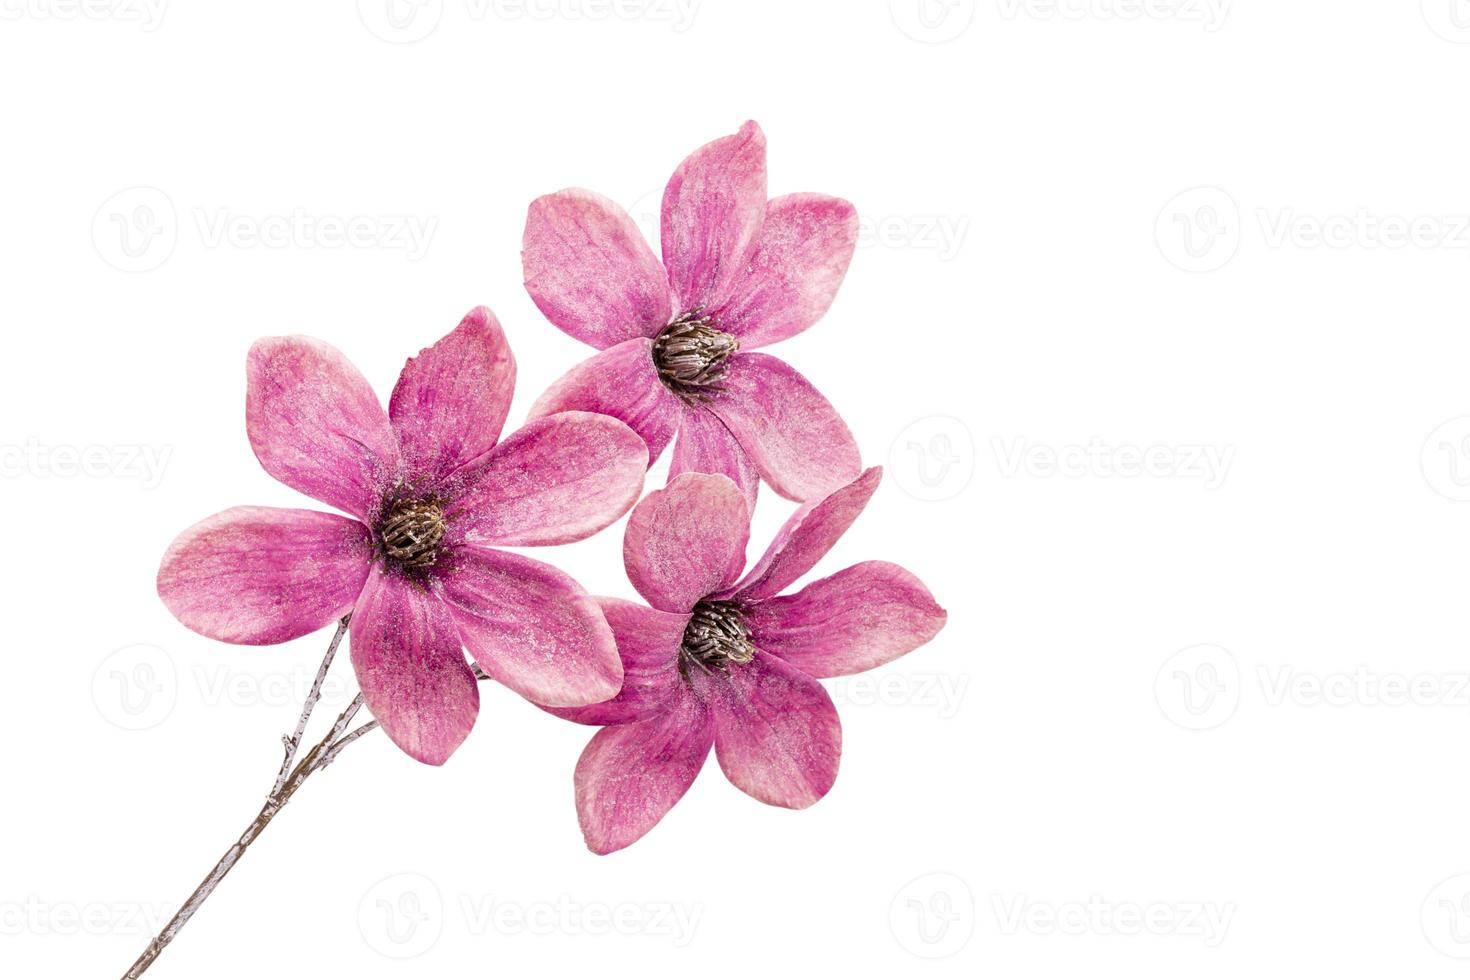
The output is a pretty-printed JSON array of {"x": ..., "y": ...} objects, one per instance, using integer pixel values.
[
  {"x": 287, "y": 783},
  {"x": 293, "y": 742},
  {"x": 345, "y": 741},
  {"x": 323, "y": 754}
]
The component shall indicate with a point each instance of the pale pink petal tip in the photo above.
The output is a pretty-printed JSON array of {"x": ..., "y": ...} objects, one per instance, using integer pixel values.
[
  {"x": 777, "y": 735},
  {"x": 687, "y": 541},
  {"x": 532, "y": 628},
  {"x": 713, "y": 207},
  {"x": 792, "y": 434},
  {"x": 557, "y": 479},
  {"x": 621, "y": 382},
  {"x": 630, "y": 775},
  {"x": 412, "y": 671},
  {"x": 262, "y": 575},
  {"x": 806, "y": 244},
  {"x": 451, "y": 401},
  {"x": 808, "y": 535},
  {"x": 316, "y": 425},
  {"x": 860, "y": 618},
  {"x": 590, "y": 272}
]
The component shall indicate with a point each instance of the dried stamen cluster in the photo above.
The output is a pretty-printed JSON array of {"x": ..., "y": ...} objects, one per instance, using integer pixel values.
[
  {"x": 716, "y": 636},
  {"x": 412, "y": 532},
  {"x": 691, "y": 357}
]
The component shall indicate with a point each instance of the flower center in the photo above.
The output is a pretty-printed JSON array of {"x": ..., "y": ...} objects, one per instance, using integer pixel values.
[
  {"x": 715, "y": 637},
  {"x": 691, "y": 357},
  {"x": 411, "y": 533}
]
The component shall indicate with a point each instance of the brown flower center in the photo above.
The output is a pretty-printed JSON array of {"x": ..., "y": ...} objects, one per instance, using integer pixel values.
[
  {"x": 716, "y": 637},
  {"x": 691, "y": 357},
  {"x": 412, "y": 532}
]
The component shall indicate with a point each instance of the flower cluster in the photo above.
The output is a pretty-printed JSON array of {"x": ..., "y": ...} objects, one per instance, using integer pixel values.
[{"x": 430, "y": 495}]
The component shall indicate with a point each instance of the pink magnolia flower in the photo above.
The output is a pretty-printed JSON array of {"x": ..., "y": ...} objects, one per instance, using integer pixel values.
[
  {"x": 430, "y": 493},
  {"x": 675, "y": 339},
  {"x": 716, "y": 659}
]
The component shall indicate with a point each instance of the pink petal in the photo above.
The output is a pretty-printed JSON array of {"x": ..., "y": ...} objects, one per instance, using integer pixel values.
[
  {"x": 629, "y": 776},
  {"x": 413, "y": 674},
  {"x": 451, "y": 401},
  {"x": 648, "y": 645},
  {"x": 557, "y": 479},
  {"x": 776, "y": 731},
  {"x": 262, "y": 575},
  {"x": 806, "y": 536},
  {"x": 531, "y": 627},
  {"x": 806, "y": 243},
  {"x": 590, "y": 271},
  {"x": 686, "y": 541},
  {"x": 712, "y": 211},
  {"x": 853, "y": 621},
  {"x": 621, "y": 382},
  {"x": 316, "y": 425},
  {"x": 794, "y": 436},
  {"x": 706, "y": 446}
]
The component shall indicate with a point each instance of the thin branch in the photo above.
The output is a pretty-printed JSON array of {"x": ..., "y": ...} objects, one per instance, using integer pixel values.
[
  {"x": 290, "y": 779},
  {"x": 346, "y": 740},
  {"x": 320, "y": 755},
  {"x": 293, "y": 742}
]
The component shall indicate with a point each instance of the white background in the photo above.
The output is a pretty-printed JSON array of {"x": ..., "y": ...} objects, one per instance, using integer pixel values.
[{"x": 1159, "y": 323}]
